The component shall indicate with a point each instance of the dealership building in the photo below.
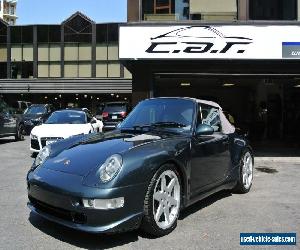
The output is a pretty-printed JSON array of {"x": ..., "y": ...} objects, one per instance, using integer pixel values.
[
  {"x": 75, "y": 62},
  {"x": 243, "y": 54}
]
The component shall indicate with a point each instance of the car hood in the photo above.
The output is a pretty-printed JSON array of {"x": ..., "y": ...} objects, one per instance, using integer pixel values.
[
  {"x": 92, "y": 151},
  {"x": 60, "y": 130}
]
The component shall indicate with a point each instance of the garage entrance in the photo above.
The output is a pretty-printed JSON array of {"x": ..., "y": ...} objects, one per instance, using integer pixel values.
[
  {"x": 268, "y": 108},
  {"x": 252, "y": 71}
]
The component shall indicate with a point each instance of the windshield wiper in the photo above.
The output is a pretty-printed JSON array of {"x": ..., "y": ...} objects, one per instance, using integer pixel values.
[
  {"x": 136, "y": 128},
  {"x": 153, "y": 126},
  {"x": 169, "y": 124}
]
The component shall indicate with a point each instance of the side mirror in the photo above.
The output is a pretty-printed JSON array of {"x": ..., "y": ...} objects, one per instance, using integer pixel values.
[{"x": 204, "y": 129}]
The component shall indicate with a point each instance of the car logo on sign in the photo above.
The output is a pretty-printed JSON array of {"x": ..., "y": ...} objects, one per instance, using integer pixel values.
[{"x": 198, "y": 39}]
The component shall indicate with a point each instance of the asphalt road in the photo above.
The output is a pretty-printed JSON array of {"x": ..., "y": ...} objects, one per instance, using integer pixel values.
[{"x": 273, "y": 205}]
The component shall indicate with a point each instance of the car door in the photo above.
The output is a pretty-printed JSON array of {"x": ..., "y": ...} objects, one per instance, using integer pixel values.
[
  {"x": 210, "y": 153},
  {"x": 8, "y": 122},
  {"x": 2, "y": 128}
]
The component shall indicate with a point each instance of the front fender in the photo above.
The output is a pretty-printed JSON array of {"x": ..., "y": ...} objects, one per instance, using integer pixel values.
[{"x": 141, "y": 162}]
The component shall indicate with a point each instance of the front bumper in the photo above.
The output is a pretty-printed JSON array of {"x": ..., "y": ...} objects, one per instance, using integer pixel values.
[
  {"x": 37, "y": 144},
  {"x": 58, "y": 196}
]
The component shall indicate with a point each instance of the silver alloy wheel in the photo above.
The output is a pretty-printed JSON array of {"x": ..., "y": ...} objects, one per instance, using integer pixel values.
[
  {"x": 247, "y": 171},
  {"x": 166, "y": 199}
]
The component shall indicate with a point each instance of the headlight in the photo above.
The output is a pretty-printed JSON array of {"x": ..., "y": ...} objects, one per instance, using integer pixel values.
[
  {"x": 28, "y": 122},
  {"x": 42, "y": 156},
  {"x": 111, "y": 167},
  {"x": 34, "y": 137},
  {"x": 37, "y": 121}
]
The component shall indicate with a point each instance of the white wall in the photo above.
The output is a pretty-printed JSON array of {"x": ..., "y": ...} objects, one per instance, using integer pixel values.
[
  {"x": 298, "y": 10},
  {"x": 1, "y": 10}
]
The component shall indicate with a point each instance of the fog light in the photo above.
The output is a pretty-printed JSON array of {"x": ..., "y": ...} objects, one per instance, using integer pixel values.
[{"x": 103, "y": 203}]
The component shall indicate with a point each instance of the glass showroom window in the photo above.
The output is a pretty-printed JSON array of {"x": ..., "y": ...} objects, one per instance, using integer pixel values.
[
  {"x": 3, "y": 53},
  {"x": 78, "y": 60},
  {"x": 127, "y": 74},
  {"x": 101, "y": 50},
  {"x": 273, "y": 9},
  {"x": 113, "y": 67},
  {"x": 78, "y": 47},
  {"x": 49, "y": 51},
  {"x": 3, "y": 50},
  {"x": 22, "y": 52},
  {"x": 165, "y": 10}
]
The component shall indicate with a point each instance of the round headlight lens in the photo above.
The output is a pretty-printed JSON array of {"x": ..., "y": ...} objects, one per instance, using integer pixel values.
[
  {"x": 42, "y": 156},
  {"x": 111, "y": 167}
]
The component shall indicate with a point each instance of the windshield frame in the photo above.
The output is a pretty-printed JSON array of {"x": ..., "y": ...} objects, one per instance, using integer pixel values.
[{"x": 150, "y": 127}]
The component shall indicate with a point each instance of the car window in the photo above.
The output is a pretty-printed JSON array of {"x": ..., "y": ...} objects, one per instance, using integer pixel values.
[
  {"x": 36, "y": 110},
  {"x": 67, "y": 117},
  {"x": 115, "y": 107},
  {"x": 23, "y": 105},
  {"x": 89, "y": 116},
  {"x": 211, "y": 117}
]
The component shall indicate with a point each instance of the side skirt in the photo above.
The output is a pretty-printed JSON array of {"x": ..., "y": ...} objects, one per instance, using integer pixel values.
[{"x": 227, "y": 184}]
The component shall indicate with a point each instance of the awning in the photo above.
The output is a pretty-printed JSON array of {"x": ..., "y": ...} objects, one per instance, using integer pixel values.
[{"x": 78, "y": 85}]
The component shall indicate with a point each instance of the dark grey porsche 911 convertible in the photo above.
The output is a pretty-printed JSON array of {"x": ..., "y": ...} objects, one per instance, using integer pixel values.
[{"x": 166, "y": 155}]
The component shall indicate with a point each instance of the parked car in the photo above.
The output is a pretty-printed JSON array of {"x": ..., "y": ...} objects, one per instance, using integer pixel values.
[
  {"x": 99, "y": 111},
  {"x": 20, "y": 106},
  {"x": 113, "y": 113},
  {"x": 35, "y": 115},
  {"x": 166, "y": 155},
  {"x": 9, "y": 122},
  {"x": 61, "y": 125}
]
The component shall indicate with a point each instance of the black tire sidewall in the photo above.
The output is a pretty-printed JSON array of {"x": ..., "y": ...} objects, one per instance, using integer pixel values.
[{"x": 19, "y": 135}]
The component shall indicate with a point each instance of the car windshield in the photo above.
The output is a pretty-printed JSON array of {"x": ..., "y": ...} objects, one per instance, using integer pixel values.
[
  {"x": 114, "y": 107},
  {"x": 35, "y": 110},
  {"x": 162, "y": 113},
  {"x": 67, "y": 117}
]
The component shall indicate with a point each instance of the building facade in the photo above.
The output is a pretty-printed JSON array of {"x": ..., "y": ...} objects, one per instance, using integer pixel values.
[
  {"x": 75, "y": 61},
  {"x": 212, "y": 10},
  {"x": 8, "y": 10},
  {"x": 243, "y": 54}
]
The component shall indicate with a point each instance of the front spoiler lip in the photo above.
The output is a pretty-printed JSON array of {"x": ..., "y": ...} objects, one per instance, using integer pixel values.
[{"x": 133, "y": 219}]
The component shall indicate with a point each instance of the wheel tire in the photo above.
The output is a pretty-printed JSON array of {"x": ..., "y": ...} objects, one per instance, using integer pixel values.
[
  {"x": 20, "y": 133},
  {"x": 149, "y": 224},
  {"x": 241, "y": 187},
  {"x": 34, "y": 155}
]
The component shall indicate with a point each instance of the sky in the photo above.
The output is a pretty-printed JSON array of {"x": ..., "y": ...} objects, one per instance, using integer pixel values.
[{"x": 56, "y": 11}]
